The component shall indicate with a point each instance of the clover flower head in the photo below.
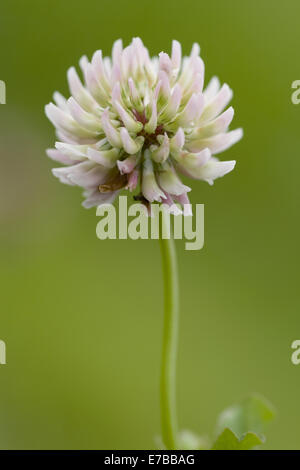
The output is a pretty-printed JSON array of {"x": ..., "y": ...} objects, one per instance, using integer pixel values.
[{"x": 136, "y": 123}]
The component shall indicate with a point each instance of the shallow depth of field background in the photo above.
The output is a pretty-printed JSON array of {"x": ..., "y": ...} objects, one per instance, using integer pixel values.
[{"x": 82, "y": 319}]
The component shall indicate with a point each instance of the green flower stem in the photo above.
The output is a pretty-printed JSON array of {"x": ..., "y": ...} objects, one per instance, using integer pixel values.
[{"x": 170, "y": 341}]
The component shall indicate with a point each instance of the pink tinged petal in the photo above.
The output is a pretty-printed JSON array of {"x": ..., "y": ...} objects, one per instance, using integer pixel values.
[
  {"x": 217, "y": 126},
  {"x": 139, "y": 49},
  {"x": 150, "y": 71},
  {"x": 198, "y": 82},
  {"x": 112, "y": 134},
  {"x": 139, "y": 58},
  {"x": 212, "y": 89},
  {"x": 78, "y": 91},
  {"x": 135, "y": 98},
  {"x": 87, "y": 174},
  {"x": 165, "y": 63},
  {"x": 216, "y": 144},
  {"x": 117, "y": 51},
  {"x": 217, "y": 104},
  {"x": 192, "y": 77},
  {"x": 95, "y": 88},
  {"x": 116, "y": 74},
  {"x": 100, "y": 71},
  {"x": 60, "y": 157},
  {"x": 190, "y": 113},
  {"x": 64, "y": 122},
  {"x": 60, "y": 101},
  {"x": 127, "y": 166},
  {"x": 95, "y": 198},
  {"x": 72, "y": 151},
  {"x": 173, "y": 104},
  {"x": 160, "y": 154},
  {"x": 157, "y": 90},
  {"x": 62, "y": 175},
  {"x": 133, "y": 180},
  {"x": 107, "y": 66},
  {"x": 169, "y": 181},
  {"x": 126, "y": 61},
  {"x": 172, "y": 207},
  {"x": 197, "y": 65},
  {"x": 129, "y": 122},
  {"x": 116, "y": 93},
  {"x": 164, "y": 88},
  {"x": 177, "y": 142},
  {"x": 183, "y": 199},
  {"x": 152, "y": 123},
  {"x": 86, "y": 120},
  {"x": 107, "y": 158},
  {"x": 214, "y": 169},
  {"x": 130, "y": 145},
  {"x": 69, "y": 138},
  {"x": 176, "y": 55},
  {"x": 194, "y": 108},
  {"x": 150, "y": 188},
  {"x": 83, "y": 63}
]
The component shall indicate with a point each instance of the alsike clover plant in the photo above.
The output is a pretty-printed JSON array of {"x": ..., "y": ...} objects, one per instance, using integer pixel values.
[{"x": 137, "y": 123}]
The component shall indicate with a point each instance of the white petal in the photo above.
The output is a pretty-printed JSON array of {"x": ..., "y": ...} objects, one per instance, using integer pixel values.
[
  {"x": 88, "y": 174},
  {"x": 86, "y": 120},
  {"x": 190, "y": 113},
  {"x": 100, "y": 71},
  {"x": 214, "y": 169},
  {"x": 160, "y": 154},
  {"x": 129, "y": 122},
  {"x": 165, "y": 63},
  {"x": 216, "y": 144},
  {"x": 65, "y": 122},
  {"x": 177, "y": 142},
  {"x": 176, "y": 54},
  {"x": 152, "y": 123},
  {"x": 62, "y": 175},
  {"x": 135, "y": 98},
  {"x": 217, "y": 104},
  {"x": 117, "y": 51},
  {"x": 79, "y": 92},
  {"x": 60, "y": 101},
  {"x": 60, "y": 157},
  {"x": 112, "y": 134},
  {"x": 95, "y": 87},
  {"x": 107, "y": 158},
  {"x": 217, "y": 126},
  {"x": 126, "y": 166},
  {"x": 169, "y": 181},
  {"x": 195, "y": 50},
  {"x": 130, "y": 145},
  {"x": 150, "y": 188},
  {"x": 173, "y": 104},
  {"x": 95, "y": 198},
  {"x": 164, "y": 88},
  {"x": 212, "y": 89},
  {"x": 190, "y": 161},
  {"x": 75, "y": 152}
]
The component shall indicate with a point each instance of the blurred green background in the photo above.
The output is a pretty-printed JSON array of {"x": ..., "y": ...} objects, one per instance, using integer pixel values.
[{"x": 82, "y": 318}]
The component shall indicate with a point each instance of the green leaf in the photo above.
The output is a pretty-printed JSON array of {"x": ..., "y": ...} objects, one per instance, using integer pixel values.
[
  {"x": 229, "y": 441},
  {"x": 252, "y": 415}
]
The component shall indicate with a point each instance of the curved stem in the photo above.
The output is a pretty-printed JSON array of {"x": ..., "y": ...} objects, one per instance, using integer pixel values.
[{"x": 170, "y": 340}]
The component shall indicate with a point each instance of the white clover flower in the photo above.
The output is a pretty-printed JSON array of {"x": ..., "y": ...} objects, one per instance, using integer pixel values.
[{"x": 138, "y": 122}]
